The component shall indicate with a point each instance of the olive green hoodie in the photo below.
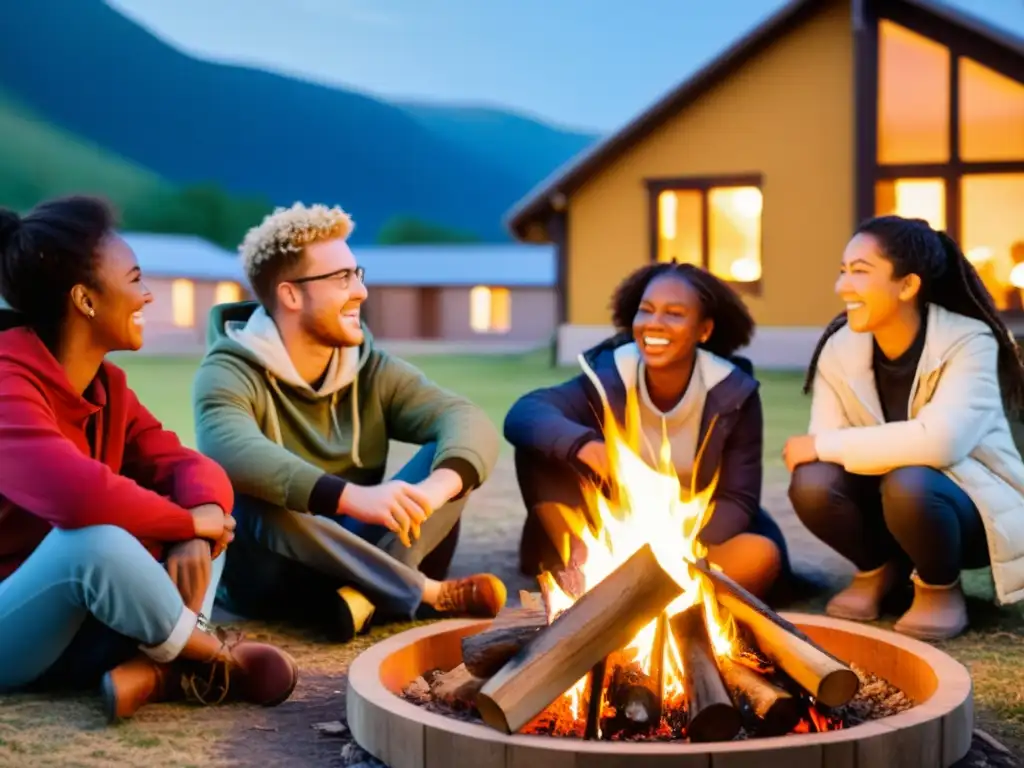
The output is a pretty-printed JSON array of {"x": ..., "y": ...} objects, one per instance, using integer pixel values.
[{"x": 291, "y": 446}]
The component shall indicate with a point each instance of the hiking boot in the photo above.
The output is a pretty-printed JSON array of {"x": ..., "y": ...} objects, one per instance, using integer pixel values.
[
  {"x": 937, "y": 613},
  {"x": 482, "y": 595},
  {"x": 349, "y": 614},
  {"x": 129, "y": 686},
  {"x": 862, "y": 599},
  {"x": 242, "y": 670}
]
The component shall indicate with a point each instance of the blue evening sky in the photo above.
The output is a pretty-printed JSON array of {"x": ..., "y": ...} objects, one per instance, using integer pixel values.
[{"x": 583, "y": 63}]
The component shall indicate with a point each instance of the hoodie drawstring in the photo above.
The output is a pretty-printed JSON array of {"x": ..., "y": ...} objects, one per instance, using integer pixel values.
[{"x": 275, "y": 424}]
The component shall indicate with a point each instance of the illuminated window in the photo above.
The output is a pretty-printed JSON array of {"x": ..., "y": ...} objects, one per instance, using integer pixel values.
[
  {"x": 913, "y": 97},
  {"x": 183, "y": 303},
  {"x": 227, "y": 293},
  {"x": 731, "y": 247},
  {"x": 993, "y": 233},
  {"x": 913, "y": 199},
  {"x": 991, "y": 114},
  {"x": 490, "y": 309}
]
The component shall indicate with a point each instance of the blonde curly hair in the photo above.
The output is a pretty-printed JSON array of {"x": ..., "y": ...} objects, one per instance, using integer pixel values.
[{"x": 276, "y": 245}]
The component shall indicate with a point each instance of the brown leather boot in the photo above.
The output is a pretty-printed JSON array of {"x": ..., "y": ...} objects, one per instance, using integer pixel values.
[
  {"x": 129, "y": 686},
  {"x": 482, "y": 595},
  {"x": 938, "y": 612},
  {"x": 242, "y": 670},
  {"x": 862, "y": 599}
]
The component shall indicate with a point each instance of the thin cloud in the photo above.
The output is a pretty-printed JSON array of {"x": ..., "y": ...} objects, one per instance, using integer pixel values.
[{"x": 357, "y": 11}]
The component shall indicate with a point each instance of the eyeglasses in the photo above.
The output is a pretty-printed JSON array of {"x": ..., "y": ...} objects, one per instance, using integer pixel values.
[{"x": 343, "y": 276}]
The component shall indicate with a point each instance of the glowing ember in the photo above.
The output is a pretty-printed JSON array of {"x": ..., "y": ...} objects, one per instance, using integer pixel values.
[{"x": 646, "y": 504}]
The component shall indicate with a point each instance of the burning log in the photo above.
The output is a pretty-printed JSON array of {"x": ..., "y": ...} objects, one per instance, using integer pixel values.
[
  {"x": 602, "y": 621},
  {"x": 486, "y": 652},
  {"x": 636, "y": 698},
  {"x": 821, "y": 674},
  {"x": 777, "y": 712},
  {"x": 595, "y": 686},
  {"x": 711, "y": 715}
]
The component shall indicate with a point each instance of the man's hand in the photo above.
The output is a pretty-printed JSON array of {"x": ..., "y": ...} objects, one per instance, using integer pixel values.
[
  {"x": 441, "y": 486},
  {"x": 397, "y": 506},
  {"x": 799, "y": 450},
  {"x": 188, "y": 565},
  {"x": 595, "y": 455}
]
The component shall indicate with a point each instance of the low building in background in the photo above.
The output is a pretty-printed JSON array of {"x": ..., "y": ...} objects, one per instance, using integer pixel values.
[{"x": 423, "y": 298}]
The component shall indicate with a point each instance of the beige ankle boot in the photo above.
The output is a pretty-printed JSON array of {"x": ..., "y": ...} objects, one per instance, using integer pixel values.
[
  {"x": 860, "y": 601},
  {"x": 938, "y": 612}
]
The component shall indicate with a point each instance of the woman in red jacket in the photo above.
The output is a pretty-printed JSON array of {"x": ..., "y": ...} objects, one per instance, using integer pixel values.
[{"x": 108, "y": 525}]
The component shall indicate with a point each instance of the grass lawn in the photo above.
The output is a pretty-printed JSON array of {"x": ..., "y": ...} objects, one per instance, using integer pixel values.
[{"x": 60, "y": 731}]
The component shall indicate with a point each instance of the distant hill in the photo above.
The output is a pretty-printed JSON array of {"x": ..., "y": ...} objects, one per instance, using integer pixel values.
[{"x": 99, "y": 75}]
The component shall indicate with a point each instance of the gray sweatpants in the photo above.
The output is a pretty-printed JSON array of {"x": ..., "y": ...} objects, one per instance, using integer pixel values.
[{"x": 286, "y": 565}]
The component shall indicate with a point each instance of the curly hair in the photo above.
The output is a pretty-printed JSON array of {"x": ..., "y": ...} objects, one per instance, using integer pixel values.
[
  {"x": 275, "y": 246},
  {"x": 733, "y": 325},
  {"x": 46, "y": 253},
  {"x": 947, "y": 279}
]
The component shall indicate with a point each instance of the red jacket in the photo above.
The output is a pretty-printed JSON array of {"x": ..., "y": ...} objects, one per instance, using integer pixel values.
[{"x": 68, "y": 461}]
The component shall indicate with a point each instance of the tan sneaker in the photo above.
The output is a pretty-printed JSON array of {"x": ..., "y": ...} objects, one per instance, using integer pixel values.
[
  {"x": 862, "y": 599},
  {"x": 937, "y": 613},
  {"x": 482, "y": 595}
]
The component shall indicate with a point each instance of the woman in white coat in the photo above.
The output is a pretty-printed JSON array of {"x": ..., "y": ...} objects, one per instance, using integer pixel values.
[{"x": 909, "y": 455}]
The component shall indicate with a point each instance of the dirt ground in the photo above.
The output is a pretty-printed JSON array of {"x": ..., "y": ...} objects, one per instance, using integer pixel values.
[{"x": 36, "y": 731}]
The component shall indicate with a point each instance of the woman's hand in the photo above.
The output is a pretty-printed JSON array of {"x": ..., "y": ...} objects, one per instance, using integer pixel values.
[
  {"x": 799, "y": 450},
  {"x": 595, "y": 455},
  {"x": 189, "y": 565},
  {"x": 212, "y": 523}
]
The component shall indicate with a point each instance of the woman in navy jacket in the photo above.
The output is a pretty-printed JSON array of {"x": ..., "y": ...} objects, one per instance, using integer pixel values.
[{"x": 678, "y": 327}]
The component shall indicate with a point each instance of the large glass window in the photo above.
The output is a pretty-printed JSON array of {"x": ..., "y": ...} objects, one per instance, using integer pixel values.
[
  {"x": 913, "y": 199},
  {"x": 490, "y": 309},
  {"x": 183, "y": 303},
  {"x": 993, "y": 233},
  {"x": 731, "y": 246},
  {"x": 991, "y": 114},
  {"x": 913, "y": 97}
]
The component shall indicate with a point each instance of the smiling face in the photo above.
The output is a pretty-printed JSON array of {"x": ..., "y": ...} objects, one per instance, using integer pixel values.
[
  {"x": 670, "y": 322},
  {"x": 874, "y": 298},
  {"x": 329, "y": 305},
  {"x": 115, "y": 304}
]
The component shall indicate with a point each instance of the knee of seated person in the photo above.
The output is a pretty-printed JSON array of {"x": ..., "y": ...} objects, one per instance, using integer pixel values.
[
  {"x": 102, "y": 544},
  {"x": 907, "y": 493},
  {"x": 811, "y": 486},
  {"x": 752, "y": 560}
]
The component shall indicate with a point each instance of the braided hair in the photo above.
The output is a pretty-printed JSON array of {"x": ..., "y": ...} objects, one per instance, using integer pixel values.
[
  {"x": 733, "y": 326},
  {"x": 46, "y": 253},
  {"x": 947, "y": 279}
]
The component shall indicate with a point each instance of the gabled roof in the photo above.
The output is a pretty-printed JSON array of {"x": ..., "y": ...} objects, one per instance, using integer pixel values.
[{"x": 550, "y": 194}]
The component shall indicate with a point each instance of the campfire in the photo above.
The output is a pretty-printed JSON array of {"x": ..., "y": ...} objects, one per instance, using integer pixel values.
[{"x": 645, "y": 639}]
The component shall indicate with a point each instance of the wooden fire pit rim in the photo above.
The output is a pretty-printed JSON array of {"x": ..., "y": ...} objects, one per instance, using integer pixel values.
[{"x": 366, "y": 692}]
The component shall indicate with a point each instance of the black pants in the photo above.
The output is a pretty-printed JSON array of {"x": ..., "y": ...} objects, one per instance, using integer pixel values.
[
  {"x": 913, "y": 511},
  {"x": 544, "y": 482}
]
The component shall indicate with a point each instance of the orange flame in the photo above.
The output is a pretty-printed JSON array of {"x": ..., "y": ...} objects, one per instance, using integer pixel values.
[{"x": 647, "y": 505}]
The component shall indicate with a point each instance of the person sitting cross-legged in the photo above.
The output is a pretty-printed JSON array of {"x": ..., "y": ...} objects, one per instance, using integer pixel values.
[
  {"x": 299, "y": 406},
  {"x": 110, "y": 529}
]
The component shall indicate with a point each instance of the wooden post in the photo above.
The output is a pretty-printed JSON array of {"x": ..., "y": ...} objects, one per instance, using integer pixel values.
[
  {"x": 711, "y": 715},
  {"x": 828, "y": 679},
  {"x": 776, "y": 710},
  {"x": 602, "y": 621}
]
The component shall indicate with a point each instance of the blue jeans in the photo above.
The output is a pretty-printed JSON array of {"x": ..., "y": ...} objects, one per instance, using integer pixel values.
[
  {"x": 83, "y": 602},
  {"x": 286, "y": 565}
]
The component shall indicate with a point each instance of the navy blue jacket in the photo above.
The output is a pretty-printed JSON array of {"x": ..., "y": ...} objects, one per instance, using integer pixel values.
[{"x": 557, "y": 421}]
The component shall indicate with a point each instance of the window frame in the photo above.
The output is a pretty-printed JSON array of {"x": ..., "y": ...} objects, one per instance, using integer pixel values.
[
  {"x": 704, "y": 185},
  {"x": 961, "y": 43}
]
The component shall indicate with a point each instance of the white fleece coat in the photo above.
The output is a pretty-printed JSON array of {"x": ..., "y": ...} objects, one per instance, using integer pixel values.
[{"x": 957, "y": 425}]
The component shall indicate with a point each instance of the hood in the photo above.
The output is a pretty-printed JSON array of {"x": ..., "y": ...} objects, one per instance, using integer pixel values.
[
  {"x": 21, "y": 347},
  {"x": 244, "y": 329}
]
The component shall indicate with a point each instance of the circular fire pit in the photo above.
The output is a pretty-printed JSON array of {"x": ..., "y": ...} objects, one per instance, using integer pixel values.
[{"x": 933, "y": 734}]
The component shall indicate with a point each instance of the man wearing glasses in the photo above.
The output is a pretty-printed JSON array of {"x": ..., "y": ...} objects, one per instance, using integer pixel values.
[{"x": 298, "y": 406}]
